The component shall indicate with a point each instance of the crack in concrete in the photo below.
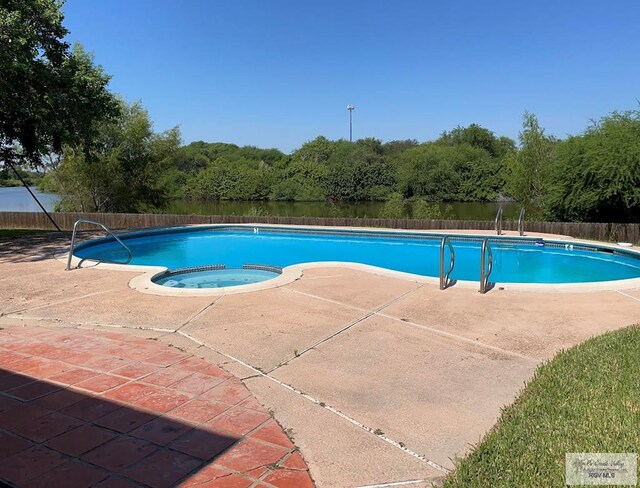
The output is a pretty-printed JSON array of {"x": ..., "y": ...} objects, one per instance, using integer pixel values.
[
  {"x": 200, "y": 312},
  {"x": 628, "y": 296},
  {"x": 340, "y": 331},
  {"x": 59, "y": 302},
  {"x": 74, "y": 324},
  {"x": 285, "y": 288},
  {"x": 460, "y": 338},
  {"x": 393, "y": 483}
]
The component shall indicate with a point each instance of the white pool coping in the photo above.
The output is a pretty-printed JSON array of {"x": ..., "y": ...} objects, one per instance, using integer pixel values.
[{"x": 143, "y": 282}]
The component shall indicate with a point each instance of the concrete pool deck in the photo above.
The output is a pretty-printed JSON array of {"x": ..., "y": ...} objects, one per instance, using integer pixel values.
[{"x": 378, "y": 380}]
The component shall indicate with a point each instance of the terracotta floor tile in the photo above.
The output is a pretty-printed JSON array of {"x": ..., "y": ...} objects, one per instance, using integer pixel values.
[
  {"x": 12, "y": 418},
  {"x": 6, "y": 402},
  {"x": 162, "y": 469},
  {"x": 48, "y": 369},
  {"x": 135, "y": 370},
  {"x": 161, "y": 430},
  {"x": 105, "y": 363},
  {"x": 90, "y": 409},
  {"x": 271, "y": 432},
  {"x": 70, "y": 474},
  {"x": 163, "y": 401},
  {"x": 199, "y": 365},
  {"x": 124, "y": 420},
  {"x": 230, "y": 392},
  {"x": 166, "y": 358},
  {"x": 36, "y": 348},
  {"x": 101, "y": 382},
  {"x": 33, "y": 390},
  {"x": 58, "y": 353},
  {"x": 77, "y": 358},
  {"x": 119, "y": 453},
  {"x": 29, "y": 464},
  {"x": 59, "y": 399},
  {"x": 231, "y": 481},
  {"x": 257, "y": 472},
  {"x": 27, "y": 363},
  {"x": 132, "y": 392},
  {"x": 73, "y": 376},
  {"x": 11, "y": 444},
  {"x": 204, "y": 474},
  {"x": 78, "y": 441},
  {"x": 239, "y": 420},
  {"x": 203, "y": 444},
  {"x": 167, "y": 376},
  {"x": 113, "y": 482},
  {"x": 197, "y": 383},
  {"x": 250, "y": 455},
  {"x": 284, "y": 478},
  {"x": 9, "y": 382},
  {"x": 199, "y": 410},
  {"x": 295, "y": 461},
  {"x": 47, "y": 426},
  {"x": 252, "y": 404},
  {"x": 9, "y": 357}
]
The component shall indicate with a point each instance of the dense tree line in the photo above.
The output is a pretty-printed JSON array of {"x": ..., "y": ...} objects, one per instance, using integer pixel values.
[{"x": 466, "y": 164}]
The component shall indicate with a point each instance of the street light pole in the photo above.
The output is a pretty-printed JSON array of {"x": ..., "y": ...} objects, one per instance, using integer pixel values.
[{"x": 350, "y": 109}]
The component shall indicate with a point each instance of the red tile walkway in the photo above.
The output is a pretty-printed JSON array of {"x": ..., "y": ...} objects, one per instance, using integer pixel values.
[{"x": 82, "y": 408}]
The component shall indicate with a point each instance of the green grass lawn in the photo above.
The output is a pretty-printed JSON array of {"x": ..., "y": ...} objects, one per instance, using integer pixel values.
[
  {"x": 587, "y": 399},
  {"x": 20, "y": 232}
]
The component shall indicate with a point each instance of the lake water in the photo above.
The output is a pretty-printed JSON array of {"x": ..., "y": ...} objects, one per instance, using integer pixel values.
[{"x": 17, "y": 199}]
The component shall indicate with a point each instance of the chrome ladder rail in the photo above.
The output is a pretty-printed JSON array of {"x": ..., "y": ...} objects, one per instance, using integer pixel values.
[
  {"x": 485, "y": 271},
  {"x": 93, "y": 222},
  {"x": 444, "y": 277},
  {"x": 498, "y": 222},
  {"x": 521, "y": 221}
]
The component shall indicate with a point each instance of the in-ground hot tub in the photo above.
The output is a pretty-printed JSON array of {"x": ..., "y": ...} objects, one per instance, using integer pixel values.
[{"x": 216, "y": 276}]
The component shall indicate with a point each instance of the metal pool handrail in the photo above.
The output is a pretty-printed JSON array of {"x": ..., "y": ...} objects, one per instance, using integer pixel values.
[
  {"x": 93, "y": 222},
  {"x": 498, "y": 221},
  {"x": 521, "y": 221},
  {"x": 444, "y": 277},
  {"x": 484, "y": 271}
]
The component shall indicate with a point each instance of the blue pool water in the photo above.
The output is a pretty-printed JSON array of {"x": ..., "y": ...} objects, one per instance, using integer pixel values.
[{"x": 514, "y": 262}]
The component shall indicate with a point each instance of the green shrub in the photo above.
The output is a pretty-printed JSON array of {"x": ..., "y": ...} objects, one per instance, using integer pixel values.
[{"x": 393, "y": 207}]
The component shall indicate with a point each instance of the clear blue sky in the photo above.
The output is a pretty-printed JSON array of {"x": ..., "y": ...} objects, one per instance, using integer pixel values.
[{"x": 278, "y": 73}]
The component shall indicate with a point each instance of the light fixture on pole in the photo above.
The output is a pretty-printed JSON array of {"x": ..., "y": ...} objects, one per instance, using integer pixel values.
[{"x": 350, "y": 109}]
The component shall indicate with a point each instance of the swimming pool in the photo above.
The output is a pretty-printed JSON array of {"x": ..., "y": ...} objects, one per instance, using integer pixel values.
[{"x": 515, "y": 260}]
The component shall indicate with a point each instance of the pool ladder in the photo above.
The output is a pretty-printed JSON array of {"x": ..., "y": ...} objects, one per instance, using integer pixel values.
[
  {"x": 93, "y": 222},
  {"x": 486, "y": 257},
  {"x": 444, "y": 277},
  {"x": 521, "y": 221},
  {"x": 498, "y": 222}
]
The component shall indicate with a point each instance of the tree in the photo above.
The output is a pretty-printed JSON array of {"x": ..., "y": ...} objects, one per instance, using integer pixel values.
[
  {"x": 477, "y": 136},
  {"x": 596, "y": 175},
  {"x": 50, "y": 95},
  {"x": 527, "y": 169},
  {"x": 122, "y": 170}
]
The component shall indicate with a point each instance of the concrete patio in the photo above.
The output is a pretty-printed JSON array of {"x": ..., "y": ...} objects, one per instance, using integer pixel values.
[{"x": 377, "y": 380}]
